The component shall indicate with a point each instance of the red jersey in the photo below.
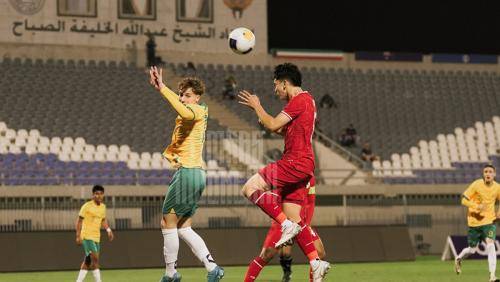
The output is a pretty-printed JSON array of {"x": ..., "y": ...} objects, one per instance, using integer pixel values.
[{"x": 301, "y": 111}]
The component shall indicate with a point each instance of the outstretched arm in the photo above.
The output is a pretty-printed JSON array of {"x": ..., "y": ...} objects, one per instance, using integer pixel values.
[
  {"x": 156, "y": 80},
  {"x": 270, "y": 122}
]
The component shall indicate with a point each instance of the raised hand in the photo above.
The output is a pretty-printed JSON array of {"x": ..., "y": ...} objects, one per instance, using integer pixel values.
[
  {"x": 248, "y": 99},
  {"x": 156, "y": 78}
]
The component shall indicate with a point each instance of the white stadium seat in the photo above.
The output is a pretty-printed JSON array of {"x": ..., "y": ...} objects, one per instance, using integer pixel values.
[
  {"x": 101, "y": 149},
  {"x": 146, "y": 156},
  {"x": 125, "y": 148},
  {"x": 68, "y": 141},
  {"x": 113, "y": 148},
  {"x": 22, "y": 133},
  {"x": 56, "y": 140},
  {"x": 80, "y": 141},
  {"x": 34, "y": 133},
  {"x": 76, "y": 156},
  {"x": 123, "y": 156}
]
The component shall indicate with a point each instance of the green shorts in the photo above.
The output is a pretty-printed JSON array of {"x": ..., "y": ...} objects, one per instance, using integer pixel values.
[
  {"x": 184, "y": 191},
  {"x": 90, "y": 246},
  {"x": 480, "y": 233}
]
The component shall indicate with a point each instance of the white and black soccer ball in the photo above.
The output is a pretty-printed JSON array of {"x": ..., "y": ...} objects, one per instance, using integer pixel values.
[{"x": 241, "y": 40}]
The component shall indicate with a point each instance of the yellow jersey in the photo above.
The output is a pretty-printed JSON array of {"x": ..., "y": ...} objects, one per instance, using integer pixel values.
[
  {"x": 188, "y": 139},
  {"x": 479, "y": 193},
  {"x": 92, "y": 215}
]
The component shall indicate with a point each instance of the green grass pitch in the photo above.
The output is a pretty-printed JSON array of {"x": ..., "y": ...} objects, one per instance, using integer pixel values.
[{"x": 425, "y": 269}]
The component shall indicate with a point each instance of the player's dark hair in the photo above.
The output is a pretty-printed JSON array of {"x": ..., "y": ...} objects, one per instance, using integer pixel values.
[
  {"x": 97, "y": 188},
  {"x": 194, "y": 83},
  {"x": 489, "y": 165},
  {"x": 289, "y": 72}
]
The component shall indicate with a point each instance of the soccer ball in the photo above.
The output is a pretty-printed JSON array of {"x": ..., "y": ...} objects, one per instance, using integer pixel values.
[{"x": 241, "y": 40}]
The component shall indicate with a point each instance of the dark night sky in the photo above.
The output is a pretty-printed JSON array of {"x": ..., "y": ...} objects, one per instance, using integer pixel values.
[{"x": 439, "y": 26}]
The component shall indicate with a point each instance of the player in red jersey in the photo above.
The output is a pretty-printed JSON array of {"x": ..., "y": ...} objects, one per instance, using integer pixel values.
[
  {"x": 289, "y": 175},
  {"x": 273, "y": 235}
]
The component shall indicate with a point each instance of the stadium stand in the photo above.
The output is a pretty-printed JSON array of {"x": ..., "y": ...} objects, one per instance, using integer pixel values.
[
  {"x": 118, "y": 123},
  {"x": 92, "y": 123},
  {"x": 393, "y": 110},
  {"x": 454, "y": 158}
]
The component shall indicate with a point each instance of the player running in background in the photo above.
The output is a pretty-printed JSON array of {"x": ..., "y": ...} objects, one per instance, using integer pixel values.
[
  {"x": 274, "y": 234},
  {"x": 480, "y": 198},
  {"x": 293, "y": 171},
  {"x": 91, "y": 217},
  {"x": 189, "y": 181}
]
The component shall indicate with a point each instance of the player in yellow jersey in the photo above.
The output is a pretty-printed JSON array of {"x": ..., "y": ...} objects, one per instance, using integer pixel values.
[
  {"x": 188, "y": 182},
  {"x": 480, "y": 198},
  {"x": 91, "y": 217}
]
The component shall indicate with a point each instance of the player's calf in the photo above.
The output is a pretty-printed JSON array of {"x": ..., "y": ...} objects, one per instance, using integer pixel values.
[
  {"x": 286, "y": 266},
  {"x": 94, "y": 261},
  {"x": 320, "y": 248}
]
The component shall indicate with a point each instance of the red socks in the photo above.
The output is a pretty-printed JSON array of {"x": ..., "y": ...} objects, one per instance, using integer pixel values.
[
  {"x": 306, "y": 243},
  {"x": 269, "y": 203},
  {"x": 254, "y": 269}
]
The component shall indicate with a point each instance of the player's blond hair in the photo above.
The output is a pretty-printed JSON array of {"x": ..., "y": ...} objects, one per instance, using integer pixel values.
[{"x": 192, "y": 82}]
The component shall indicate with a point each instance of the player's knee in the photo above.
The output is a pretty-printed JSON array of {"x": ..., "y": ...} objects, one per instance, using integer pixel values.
[
  {"x": 490, "y": 245},
  {"x": 268, "y": 254},
  {"x": 473, "y": 250},
  {"x": 253, "y": 184},
  {"x": 87, "y": 260},
  {"x": 163, "y": 224},
  {"x": 286, "y": 251},
  {"x": 247, "y": 189}
]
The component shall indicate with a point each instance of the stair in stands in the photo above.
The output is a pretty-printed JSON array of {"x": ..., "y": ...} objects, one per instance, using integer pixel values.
[{"x": 226, "y": 117}]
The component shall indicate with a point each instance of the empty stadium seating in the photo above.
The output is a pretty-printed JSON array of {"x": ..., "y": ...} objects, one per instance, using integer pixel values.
[
  {"x": 454, "y": 158},
  {"x": 88, "y": 114},
  {"x": 27, "y": 158},
  {"x": 75, "y": 123},
  {"x": 391, "y": 109}
]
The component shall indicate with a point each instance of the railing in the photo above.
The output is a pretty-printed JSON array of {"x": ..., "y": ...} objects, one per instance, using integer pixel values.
[
  {"x": 220, "y": 207},
  {"x": 346, "y": 154}
]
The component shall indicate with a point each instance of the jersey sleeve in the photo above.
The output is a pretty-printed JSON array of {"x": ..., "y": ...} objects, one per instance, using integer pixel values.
[
  {"x": 83, "y": 211},
  {"x": 294, "y": 108},
  {"x": 104, "y": 212},
  {"x": 470, "y": 191},
  {"x": 199, "y": 111}
]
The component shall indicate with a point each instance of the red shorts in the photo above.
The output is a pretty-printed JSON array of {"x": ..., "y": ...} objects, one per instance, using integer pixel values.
[
  {"x": 274, "y": 234},
  {"x": 290, "y": 183}
]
